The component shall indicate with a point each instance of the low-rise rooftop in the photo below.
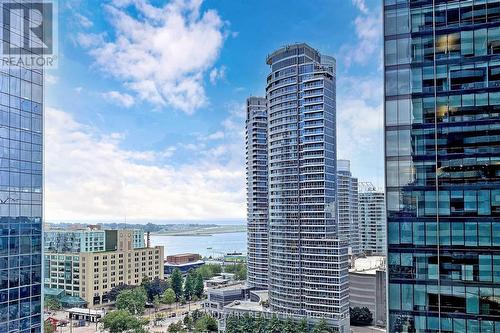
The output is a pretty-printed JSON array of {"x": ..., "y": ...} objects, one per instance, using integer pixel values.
[{"x": 368, "y": 265}]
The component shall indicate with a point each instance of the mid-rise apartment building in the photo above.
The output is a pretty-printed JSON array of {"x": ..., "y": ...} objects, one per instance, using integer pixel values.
[{"x": 91, "y": 275}]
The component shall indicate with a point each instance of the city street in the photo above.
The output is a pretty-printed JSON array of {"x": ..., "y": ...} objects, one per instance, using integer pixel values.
[{"x": 149, "y": 313}]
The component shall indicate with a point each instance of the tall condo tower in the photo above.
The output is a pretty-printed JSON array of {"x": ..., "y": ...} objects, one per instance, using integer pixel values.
[
  {"x": 257, "y": 189},
  {"x": 347, "y": 205},
  {"x": 308, "y": 264},
  {"x": 372, "y": 221},
  {"x": 442, "y": 159}
]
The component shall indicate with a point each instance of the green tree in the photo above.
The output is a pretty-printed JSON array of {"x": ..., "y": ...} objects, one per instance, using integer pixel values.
[
  {"x": 232, "y": 325},
  {"x": 188, "y": 321},
  {"x": 289, "y": 326},
  {"x": 113, "y": 293},
  {"x": 208, "y": 271},
  {"x": 119, "y": 321},
  {"x": 239, "y": 270},
  {"x": 52, "y": 304},
  {"x": 168, "y": 296},
  {"x": 48, "y": 327},
  {"x": 321, "y": 327},
  {"x": 206, "y": 324},
  {"x": 188, "y": 287},
  {"x": 260, "y": 325},
  {"x": 361, "y": 316},
  {"x": 196, "y": 315},
  {"x": 198, "y": 285},
  {"x": 132, "y": 300},
  {"x": 156, "y": 303},
  {"x": 177, "y": 283},
  {"x": 155, "y": 287},
  {"x": 275, "y": 325},
  {"x": 303, "y": 326},
  {"x": 176, "y": 328}
]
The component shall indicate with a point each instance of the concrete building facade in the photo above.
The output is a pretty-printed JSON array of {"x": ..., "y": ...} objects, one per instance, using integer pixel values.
[
  {"x": 92, "y": 275},
  {"x": 367, "y": 288}
]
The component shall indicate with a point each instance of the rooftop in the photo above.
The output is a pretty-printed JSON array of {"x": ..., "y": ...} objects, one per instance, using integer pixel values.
[
  {"x": 187, "y": 264},
  {"x": 246, "y": 306},
  {"x": 368, "y": 265},
  {"x": 230, "y": 287},
  {"x": 269, "y": 59}
]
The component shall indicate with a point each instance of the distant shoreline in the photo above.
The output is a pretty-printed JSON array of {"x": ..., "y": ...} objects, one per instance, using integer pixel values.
[{"x": 210, "y": 231}]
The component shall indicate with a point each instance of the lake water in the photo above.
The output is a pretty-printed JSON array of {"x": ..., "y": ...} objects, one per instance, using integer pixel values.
[{"x": 219, "y": 243}]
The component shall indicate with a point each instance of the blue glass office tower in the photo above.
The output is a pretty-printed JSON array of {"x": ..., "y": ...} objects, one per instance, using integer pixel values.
[
  {"x": 442, "y": 158},
  {"x": 21, "y": 112}
]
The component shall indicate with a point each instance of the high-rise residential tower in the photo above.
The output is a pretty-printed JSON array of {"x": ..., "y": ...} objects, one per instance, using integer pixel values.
[
  {"x": 308, "y": 264},
  {"x": 442, "y": 159},
  {"x": 257, "y": 189},
  {"x": 21, "y": 139},
  {"x": 372, "y": 231},
  {"x": 347, "y": 204}
]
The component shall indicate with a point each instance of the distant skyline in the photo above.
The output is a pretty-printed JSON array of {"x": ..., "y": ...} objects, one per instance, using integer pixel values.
[
  {"x": 145, "y": 114},
  {"x": 241, "y": 221}
]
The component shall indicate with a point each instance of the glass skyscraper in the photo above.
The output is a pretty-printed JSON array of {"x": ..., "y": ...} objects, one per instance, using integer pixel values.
[
  {"x": 257, "y": 214},
  {"x": 21, "y": 118},
  {"x": 442, "y": 159},
  {"x": 308, "y": 264}
]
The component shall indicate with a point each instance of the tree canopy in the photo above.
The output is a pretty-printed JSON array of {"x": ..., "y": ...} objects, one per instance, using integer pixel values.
[
  {"x": 119, "y": 321},
  {"x": 208, "y": 271},
  {"x": 176, "y": 280},
  {"x": 361, "y": 316},
  {"x": 239, "y": 270},
  {"x": 168, "y": 296},
  {"x": 155, "y": 287},
  {"x": 133, "y": 300},
  {"x": 248, "y": 324}
]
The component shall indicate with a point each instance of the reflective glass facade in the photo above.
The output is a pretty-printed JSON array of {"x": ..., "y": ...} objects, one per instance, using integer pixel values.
[
  {"x": 257, "y": 189},
  {"x": 21, "y": 110},
  {"x": 308, "y": 265},
  {"x": 442, "y": 159}
]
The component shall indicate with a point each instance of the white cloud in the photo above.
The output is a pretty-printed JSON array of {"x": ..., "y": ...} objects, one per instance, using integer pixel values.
[
  {"x": 368, "y": 28},
  {"x": 83, "y": 20},
  {"x": 90, "y": 176},
  {"x": 360, "y": 124},
  {"x": 217, "y": 74},
  {"x": 216, "y": 135},
  {"x": 119, "y": 98},
  {"x": 361, "y": 5},
  {"x": 89, "y": 40},
  {"x": 162, "y": 53},
  {"x": 51, "y": 79}
]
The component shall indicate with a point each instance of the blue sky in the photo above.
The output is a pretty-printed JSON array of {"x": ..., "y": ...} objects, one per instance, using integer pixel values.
[{"x": 145, "y": 113}]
